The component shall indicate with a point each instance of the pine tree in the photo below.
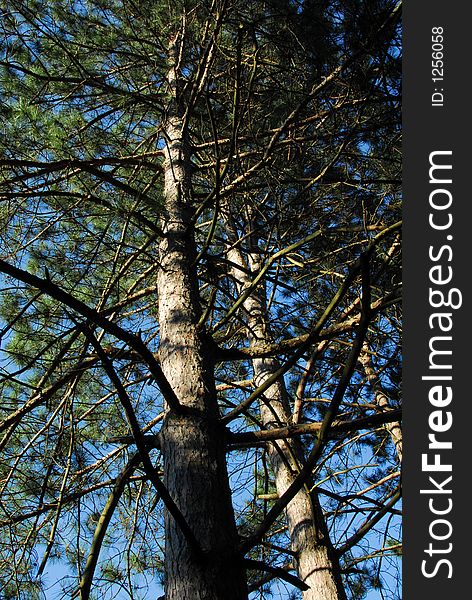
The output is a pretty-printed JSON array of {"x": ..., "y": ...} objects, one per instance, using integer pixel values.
[{"x": 200, "y": 211}]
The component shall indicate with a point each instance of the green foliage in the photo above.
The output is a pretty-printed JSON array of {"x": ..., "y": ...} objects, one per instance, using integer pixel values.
[{"x": 84, "y": 94}]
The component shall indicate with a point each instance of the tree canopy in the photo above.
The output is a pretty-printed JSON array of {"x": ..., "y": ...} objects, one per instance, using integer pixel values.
[{"x": 200, "y": 317}]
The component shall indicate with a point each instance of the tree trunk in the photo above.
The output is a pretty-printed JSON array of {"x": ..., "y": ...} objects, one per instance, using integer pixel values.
[
  {"x": 316, "y": 562},
  {"x": 381, "y": 400},
  {"x": 193, "y": 448}
]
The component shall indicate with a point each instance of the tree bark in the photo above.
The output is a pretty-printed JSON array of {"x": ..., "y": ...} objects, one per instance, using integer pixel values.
[
  {"x": 316, "y": 562},
  {"x": 381, "y": 400},
  {"x": 192, "y": 442}
]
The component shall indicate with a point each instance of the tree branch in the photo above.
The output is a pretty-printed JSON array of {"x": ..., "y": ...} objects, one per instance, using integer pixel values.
[
  {"x": 102, "y": 526},
  {"x": 259, "y": 438},
  {"x": 133, "y": 341},
  {"x": 277, "y": 572},
  {"x": 140, "y": 444},
  {"x": 367, "y": 526}
]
